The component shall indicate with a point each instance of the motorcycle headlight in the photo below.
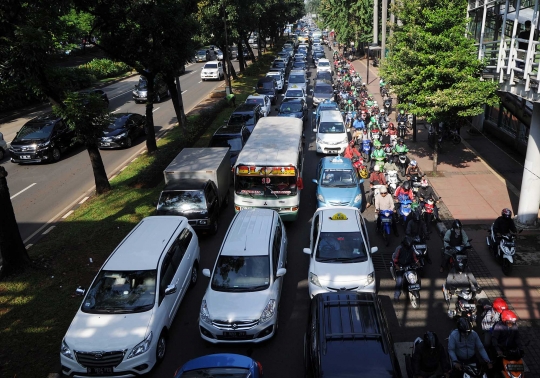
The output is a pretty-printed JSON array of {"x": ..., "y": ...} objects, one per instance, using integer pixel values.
[
  {"x": 370, "y": 278},
  {"x": 204, "y": 314},
  {"x": 65, "y": 351},
  {"x": 320, "y": 197},
  {"x": 314, "y": 279},
  {"x": 411, "y": 277},
  {"x": 268, "y": 311},
  {"x": 120, "y": 136},
  {"x": 142, "y": 347},
  {"x": 358, "y": 197}
]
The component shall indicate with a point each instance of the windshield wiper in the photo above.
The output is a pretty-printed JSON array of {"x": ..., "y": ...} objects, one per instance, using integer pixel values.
[
  {"x": 332, "y": 259},
  {"x": 271, "y": 191}
]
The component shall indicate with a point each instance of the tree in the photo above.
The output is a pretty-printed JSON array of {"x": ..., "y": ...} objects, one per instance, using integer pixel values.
[
  {"x": 350, "y": 21},
  {"x": 432, "y": 65},
  {"x": 13, "y": 254}
]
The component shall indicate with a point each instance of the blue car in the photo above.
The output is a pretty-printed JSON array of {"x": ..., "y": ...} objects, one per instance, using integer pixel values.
[
  {"x": 221, "y": 365},
  {"x": 324, "y": 105},
  {"x": 338, "y": 184},
  {"x": 293, "y": 107}
]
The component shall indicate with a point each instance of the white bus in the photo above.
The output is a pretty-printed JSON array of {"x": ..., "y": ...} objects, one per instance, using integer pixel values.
[{"x": 268, "y": 171}]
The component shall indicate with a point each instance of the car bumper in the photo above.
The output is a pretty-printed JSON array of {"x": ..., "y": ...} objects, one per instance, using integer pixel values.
[
  {"x": 314, "y": 289},
  {"x": 331, "y": 148},
  {"x": 287, "y": 214},
  {"x": 140, "y": 98},
  {"x": 112, "y": 143},
  {"x": 257, "y": 334},
  {"x": 134, "y": 367},
  {"x": 210, "y": 76},
  {"x": 30, "y": 157}
]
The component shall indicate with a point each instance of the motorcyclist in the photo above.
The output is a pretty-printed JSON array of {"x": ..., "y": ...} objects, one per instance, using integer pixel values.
[
  {"x": 463, "y": 344},
  {"x": 369, "y": 101},
  {"x": 375, "y": 178},
  {"x": 401, "y": 147},
  {"x": 454, "y": 237},
  {"x": 372, "y": 123},
  {"x": 492, "y": 315},
  {"x": 405, "y": 189},
  {"x": 390, "y": 165},
  {"x": 504, "y": 225},
  {"x": 349, "y": 107},
  {"x": 384, "y": 202},
  {"x": 350, "y": 151},
  {"x": 413, "y": 170},
  {"x": 378, "y": 153},
  {"x": 429, "y": 358},
  {"x": 383, "y": 118},
  {"x": 505, "y": 336},
  {"x": 401, "y": 117},
  {"x": 403, "y": 256},
  {"x": 417, "y": 227},
  {"x": 425, "y": 192},
  {"x": 382, "y": 84}
]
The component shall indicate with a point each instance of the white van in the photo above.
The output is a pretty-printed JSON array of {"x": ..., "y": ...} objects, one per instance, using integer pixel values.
[
  {"x": 122, "y": 325},
  {"x": 331, "y": 135},
  {"x": 242, "y": 299}
]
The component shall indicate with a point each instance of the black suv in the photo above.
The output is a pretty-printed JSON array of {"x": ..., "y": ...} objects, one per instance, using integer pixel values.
[
  {"x": 246, "y": 114},
  {"x": 347, "y": 336},
  {"x": 42, "y": 139},
  {"x": 233, "y": 136},
  {"x": 140, "y": 93},
  {"x": 267, "y": 86}
]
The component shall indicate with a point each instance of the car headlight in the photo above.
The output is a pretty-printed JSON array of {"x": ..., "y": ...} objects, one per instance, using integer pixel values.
[
  {"x": 320, "y": 197},
  {"x": 268, "y": 311},
  {"x": 135, "y": 93},
  {"x": 370, "y": 278},
  {"x": 345, "y": 140},
  {"x": 120, "y": 136},
  {"x": 411, "y": 277},
  {"x": 314, "y": 279},
  {"x": 65, "y": 351},
  {"x": 358, "y": 197},
  {"x": 204, "y": 314},
  {"x": 43, "y": 145},
  {"x": 141, "y": 347}
]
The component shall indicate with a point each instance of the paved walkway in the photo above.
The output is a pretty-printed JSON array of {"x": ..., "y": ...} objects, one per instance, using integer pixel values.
[{"x": 476, "y": 180}]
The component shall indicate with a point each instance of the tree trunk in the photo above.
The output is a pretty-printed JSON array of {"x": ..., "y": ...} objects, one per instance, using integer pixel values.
[
  {"x": 176, "y": 97},
  {"x": 151, "y": 145},
  {"x": 13, "y": 255},
  {"x": 100, "y": 175},
  {"x": 232, "y": 71},
  {"x": 241, "y": 61},
  {"x": 251, "y": 54}
]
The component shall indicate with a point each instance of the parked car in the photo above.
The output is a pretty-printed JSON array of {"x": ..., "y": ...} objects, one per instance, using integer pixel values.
[
  {"x": 221, "y": 365},
  {"x": 263, "y": 100},
  {"x": 123, "y": 130},
  {"x": 292, "y": 107},
  {"x": 242, "y": 300},
  {"x": 42, "y": 139},
  {"x": 347, "y": 333},
  {"x": 232, "y": 136},
  {"x": 212, "y": 70},
  {"x": 140, "y": 94},
  {"x": 267, "y": 86},
  {"x": 3, "y": 146},
  {"x": 247, "y": 115},
  {"x": 121, "y": 327}
]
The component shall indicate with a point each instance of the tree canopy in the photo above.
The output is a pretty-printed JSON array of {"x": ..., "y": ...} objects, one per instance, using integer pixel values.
[
  {"x": 351, "y": 21},
  {"x": 432, "y": 65}
]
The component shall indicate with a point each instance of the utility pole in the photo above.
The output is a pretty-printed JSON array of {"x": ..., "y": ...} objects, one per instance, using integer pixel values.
[
  {"x": 392, "y": 16},
  {"x": 226, "y": 52},
  {"x": 375, "y": 22},
  {"x": 383, "y": 38}
]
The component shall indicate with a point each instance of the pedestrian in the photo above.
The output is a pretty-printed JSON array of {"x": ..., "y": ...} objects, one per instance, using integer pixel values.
[
  {"x": 231, "y": 99},
  {"x": 524, "y": 34}
]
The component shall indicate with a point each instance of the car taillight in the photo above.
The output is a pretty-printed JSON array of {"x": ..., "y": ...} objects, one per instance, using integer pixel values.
[{"x": 260, "y": 368}]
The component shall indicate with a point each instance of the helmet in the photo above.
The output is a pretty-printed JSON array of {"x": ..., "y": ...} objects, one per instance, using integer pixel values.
[
  {"x": 406, "y": 185},
  {"x": 424, "y": 183},
  {"x": 383, "y": 188},
  {"x": 372, "y": 119},
  {"x": 457, "y": 224},
  {"x": 416, "y": 216},
  {"x": 363, "y": 84},
  {"x": 391, "y": 125},
  {"x": 508, "y": 316},
  {"x": 463, "y": 325},
  {"x": 400, "y": 141},
  {"x": 500, "y": 305},
  {"x": 349, "y": 102},
  {"x": 413, "y": 163},
  {"x": 377, "y": 143},
  {"x": 382, "y": 111},
  {"x": 430, "y": 339},
  {"x": 402, "y": 111},
  {"x": 376, "y": 168},
  {"x": 507, "y": 213},
  {"x": 406, "y": 242}
]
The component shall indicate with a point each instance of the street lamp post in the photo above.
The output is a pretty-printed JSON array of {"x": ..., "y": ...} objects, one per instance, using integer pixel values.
[{"x": 226, "y": 52}]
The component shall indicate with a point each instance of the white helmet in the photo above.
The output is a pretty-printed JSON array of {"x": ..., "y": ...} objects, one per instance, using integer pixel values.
[
  {"x": 382, "y": 189},
  {"x": 382, "y": 111},
  {"x": 377, "y": 168}
]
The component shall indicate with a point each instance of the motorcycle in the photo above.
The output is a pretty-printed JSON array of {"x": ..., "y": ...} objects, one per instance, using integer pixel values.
[
  {"x": 388, "y": 151},
  {"x": 366, "y": 150},
  {"x": 420, "y": 249},
  {"x": 504, "y": 251},
  {"x": 452, "y": 135},
  {"x": 402, "y": 162},
  {"x": 411, "y": 282},
  {"x": 402, "y": 129},
  {"x": 405, "y": 209},
  {"x": 512, "y": 364},
  {"x": 358, "y": 164},
  {"x": 392, "y": 180},
  {"x": 348, "y": 116},
  {"x": 375, "y": 135},
  {"x": 388, "y": 105},
  {"x": 415, "y": 182},
  {"x": 473, "y": 371},
  {"x": 386, "y": 224},
  {"x": 427, "y": 213}
]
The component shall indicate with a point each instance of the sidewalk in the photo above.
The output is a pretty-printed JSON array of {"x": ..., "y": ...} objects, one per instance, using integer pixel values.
[{"x": 475, "y": 181}]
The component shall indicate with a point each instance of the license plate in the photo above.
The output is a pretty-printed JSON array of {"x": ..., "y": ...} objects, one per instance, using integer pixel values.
[
  {"x": 99, "y": 370},
  {"x": 385, "y": 220},
  {"x": 420, "y": 246},
  {"x": 333, "y": 150},
  {"x": 25, "y": 156},
  {"x": 234, "y": 335},
  {"x": 105, "y": 144},
  {"x": 414, "y": 287}
]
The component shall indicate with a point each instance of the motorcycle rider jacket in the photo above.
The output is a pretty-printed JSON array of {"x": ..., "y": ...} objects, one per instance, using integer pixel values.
[
  {"x": 504, "y": 226},
  {"x": 404, "y": 256},
  {"x": 504, "y": 337},
  {"x": 401, "y": 149},
  {"x": 462, "y": 347},
  {"x": 426, "y": 192},
  {"x": 452, "y": 239},
  {"x": 378, "y": 154}
]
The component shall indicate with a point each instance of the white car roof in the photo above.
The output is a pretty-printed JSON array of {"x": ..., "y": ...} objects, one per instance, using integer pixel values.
[
  {"x": 331, "y": 116},
  {"x": 323, "y": 60},
  {"x": 339, "y": 219},
  {"x": 212, "y": 61},
  {"x": 247, "y": 230}
]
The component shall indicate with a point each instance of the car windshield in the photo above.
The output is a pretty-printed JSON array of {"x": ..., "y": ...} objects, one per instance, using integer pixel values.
[
  {"x": 279, "y": 64},
  {"x": 238, "y": 119},
  {"x": 35, "y": 130},
  {"x": 290, "y": 107},
  {"x": 266, "y": 85},
  {"x": 299, "y": 64},
  {"x": 210, "y": 65},
  {"x": 332, "y": 178},
  {"x": 117, "y": 123},
  {"x": 325, "y": 89},
  {"x": 233, "y": 142},
  {"x": 201, "y": 52},
  {"x": 324, "y": 64},
  {"x": 341, "y": 247},
  {"x": 331, "y": 127},
  {"x": 324, "y": 76},
  {"x": 259, "y": 101},
  {"x": 298, "y": 79},
  {"x": 221, "y": 372},
  {"x": 294, "y": 93},
  {"x": 121, "y": 292},
  {"x": 241, "y": 273},
  {"x": 143, "y": 84},
  {"x": 181, "y": 201}
]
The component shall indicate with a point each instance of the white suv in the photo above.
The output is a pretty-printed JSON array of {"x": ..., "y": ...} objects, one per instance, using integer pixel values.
[
  {"x": 324, "y": 66},
  {"x": 331, "y": 135},
  {"x": 340, "y": 253},
  {"x": 212, "y": 70},
  {"x": 122, "y": 325},
  {"x": 242, "y": 300}
]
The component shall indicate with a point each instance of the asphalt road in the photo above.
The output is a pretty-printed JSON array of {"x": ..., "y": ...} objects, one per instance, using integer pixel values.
[{"x": 282, "y": 356}]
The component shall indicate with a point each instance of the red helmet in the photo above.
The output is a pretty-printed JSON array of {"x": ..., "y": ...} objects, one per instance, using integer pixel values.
[
  {"x": 391, "y": 125},
  {"x": 500, "y": 305},
  {"x": 351, "y": 143},
  {"x": 508, "y": 316},
  {"x": 506, "y": 212}
]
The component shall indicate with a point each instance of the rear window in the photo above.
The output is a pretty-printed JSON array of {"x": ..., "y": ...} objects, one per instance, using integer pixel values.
[
  {"x": 265, "y": 85},
  {"x": 210, "y": 65},
  {"x": 233, "y": 142}
]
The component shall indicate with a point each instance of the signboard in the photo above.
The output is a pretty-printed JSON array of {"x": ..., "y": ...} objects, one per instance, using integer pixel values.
[
  {"x": 339, "y": 216},
  {"x": 244, "y": 170}
]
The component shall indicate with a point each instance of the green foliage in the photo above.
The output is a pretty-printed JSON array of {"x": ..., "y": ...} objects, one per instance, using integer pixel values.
[
  {"x": 432, "y": 65},
  {"x": 104, "y": 68},
  {"x": 350, "y": 21}
]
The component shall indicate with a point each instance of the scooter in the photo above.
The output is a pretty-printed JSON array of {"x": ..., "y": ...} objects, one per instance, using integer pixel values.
[
  {"x": 402, "y": 162},
  {"x": 415, "y": 182},
  {"x": 420, "y": 249},
  {"x": 473, "y": 371},
  {"x": 404, "y": 209},
  {"x": 504, "y": 251},
  {"x": 411, "y": 282},
  {"x": 402, "y": 129},
  {"x": 386, "y": 225},
  {"x": 427, "y": 212},
  {"x": 358, "y": 164},
  {"x": 388, "y": 105},
  {"x": 392, "y": 180},
  {"x": 366, "y": 150},
  {"x": 512, "y": 364}
]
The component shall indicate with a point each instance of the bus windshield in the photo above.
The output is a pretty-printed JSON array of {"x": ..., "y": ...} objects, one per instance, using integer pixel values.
[{"x": 265, "y": 181}]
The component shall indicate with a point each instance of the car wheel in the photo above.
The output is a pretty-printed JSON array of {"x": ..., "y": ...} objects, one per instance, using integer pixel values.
[
  {"x": 158, "y": 98},
  {"x": 161, "y": 347},
  {"x": 55, "y": 154},
  {"x": 194, "y": 275},
  {"x": 2, "y": 153},
  {"x": 129, "y": 142}
]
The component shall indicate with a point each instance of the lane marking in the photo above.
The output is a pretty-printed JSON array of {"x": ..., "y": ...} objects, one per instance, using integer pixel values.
[
  {"x": 83, "y": 200},
  {"x": 48, "y": 230},
  {"x": 184, "y": 91},
  {"x": 199, "y": 82},
  {"x": 24, "y": 190},
  {"x": 67, "y": 214},
  {"x": 121, "y": 94},
  {"x": 156, "y": 109}
]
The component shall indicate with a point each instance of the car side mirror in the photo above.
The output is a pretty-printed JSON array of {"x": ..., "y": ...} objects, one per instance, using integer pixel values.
[
  {"x": 314, "y": 113},
  {"x": 315, "y": 181},
  {"x": 374, "y": 249},
  {"x": 315, "y": 130},
  {"x": 283, "y": 95},
  {"x": 281, "y": 272},
  {"x": 307, "y": 251},
  {"x": 171, "y": 289},
  {"x": 206, "y": 272}
]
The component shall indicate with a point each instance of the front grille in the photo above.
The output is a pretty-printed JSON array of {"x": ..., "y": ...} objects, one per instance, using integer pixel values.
[
  {"x": 342, "y": 288},
  {"x": 235, "y": 325},
  {"x": 100, "y": 359},
  {"x": 23, "y": 148},
  {"x": 247, "y": 337},
  {"x": 192, "y": 222},
  {"x": 336, "y": 203}
]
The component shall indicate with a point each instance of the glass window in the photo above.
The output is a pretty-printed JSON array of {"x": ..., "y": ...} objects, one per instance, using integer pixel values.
[
  {"x": 211, "y": 65},
  {"x": 167, "y": 274},
  {"x": 188, "y": 200},
  {"x": 297, "y": 79},
  {"x": 331, "y": 127},
  {"x": 234, "y": 142},
  {"x": 338, "y": 178},
  {"x": 277, "y": 246},
  {"x": 177, "y": 253},
  {"x": 241, "y": 273},
  {"x": 341, "y": 247},
  {"x": 185, "y": 238},
  {"x": 36, "y": 130},
  {"x": 266, "y": 186},
  {"x": 291, "y": 107}
]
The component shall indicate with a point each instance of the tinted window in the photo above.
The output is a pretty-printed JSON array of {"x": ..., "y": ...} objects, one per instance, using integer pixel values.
[
  {"x": 234, "y": 142},
  {"x": 331, "y": 127},
  {"x": 338, "y": 178},
  {"x": 325, "y": 89},
  {"x": 297, "y": 79},
  {"x": 177, "y": 201},
  {"x": 117, "y": 123},
  {"x": 36, "y": 130},
  {"x": 294, "y": 93},
  {"x": 324, "y": 64},
  {"x": 238, "y": 119},
  {"x": 167, "y": 274},
  {"x": 241, "y": 273},
  {"x": 211, "y": 65},
  {"x": 259, "y": 101},
  {"x": 185, "y": 238},
  {"x": 340, "y": 247},
  {"x": 266, "y": 84},
  {"x": 291, "y": 107}
]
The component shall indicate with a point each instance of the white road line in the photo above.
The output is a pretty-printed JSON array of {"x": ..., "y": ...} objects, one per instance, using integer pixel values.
[
  {"x": 184, "y": 91},
  {"x": 28, "y": 246},
  {"x": 115, "y": 110},
  {"x": 123, "y": 168},
  {"x": 48, "y": 230},
  {"x": 24, "y": 190},
  {"x": 199, "y": 82},
  {"x": 83, "y": 200},
  {"x": 193, "y": 72},
  {"x": 67, "y": 214},
  {"x": 155, "y": 109}
]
